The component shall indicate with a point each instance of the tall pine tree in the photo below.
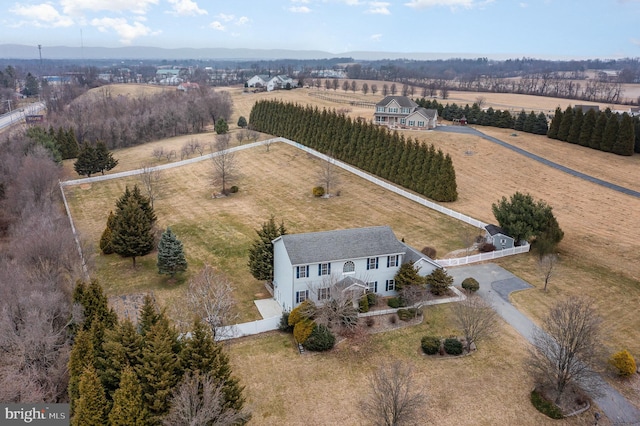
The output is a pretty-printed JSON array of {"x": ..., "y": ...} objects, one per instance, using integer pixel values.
[
  {"x": 625, "y": 139},
  {"x": 128, "y": 406},
  {"x": 85, "y": 165},
  {"x": 555, "y": 124},
  {"x": 132, "y": 234},
  {"x": 261, "y": 251},
  {"x": 565, "y": 124},
  {"x": 170, "y": 254},
  {"x": 610, "y": 134},
  {"x": 91, "y": 406}
]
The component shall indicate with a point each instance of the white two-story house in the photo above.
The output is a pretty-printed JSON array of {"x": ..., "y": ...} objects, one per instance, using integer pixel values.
[
  {"x": 402, "y": 112},
  {"x": 311, "y": 265}
]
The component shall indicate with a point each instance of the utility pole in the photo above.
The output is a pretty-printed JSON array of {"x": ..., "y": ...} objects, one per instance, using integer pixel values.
[{"x": 40, "y": 52}]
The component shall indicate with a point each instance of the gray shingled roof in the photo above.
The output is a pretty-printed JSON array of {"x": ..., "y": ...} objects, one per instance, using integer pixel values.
[
  {"x": 403, "y": 101},
  {"x": 494, "y": 230},
  {"x": 343, "y": 244}
]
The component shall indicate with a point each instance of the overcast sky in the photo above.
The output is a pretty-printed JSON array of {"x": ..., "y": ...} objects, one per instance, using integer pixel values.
[{"x": 534, "y": 28}]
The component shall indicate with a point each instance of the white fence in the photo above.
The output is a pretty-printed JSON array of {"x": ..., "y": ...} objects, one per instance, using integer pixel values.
[
  {"x": 484, "y": 256},
  {"x": 248, "y": 328}
]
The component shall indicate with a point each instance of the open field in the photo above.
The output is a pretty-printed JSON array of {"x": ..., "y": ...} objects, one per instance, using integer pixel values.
[{"x": 599, "y": 253}]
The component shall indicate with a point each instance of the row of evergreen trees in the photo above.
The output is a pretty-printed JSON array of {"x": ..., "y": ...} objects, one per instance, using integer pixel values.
[
  {"x": 123, "y": 374},
  {"x": 373, "y": 148},
  {"x": 62, "y": 143},
  {"x": 602, "y": 130},
  {"x": 94, "y": 159},
  {"x": 523, "y": 122}
]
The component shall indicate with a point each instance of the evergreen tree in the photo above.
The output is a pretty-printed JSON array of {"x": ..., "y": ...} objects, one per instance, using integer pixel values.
[
  {"x": 261, "y": 251},
  {"x": 128, "y": 407},
  {"x": 530, "y": 122},
  {"x": 105, "y": 239},
  {"x": 149, "y": 315},
  {"x": 565, "y": 124},
  {"x": 95, "y": 305},
  {"x": 588, "y": 124},
  {"x": 610, "y": 134},
  {"x": 519, "y": 123},
  {"x": 439, "y": 281},
  {"x": 91, "y": 406},
  {"x": 555, "y": 124},
  {"x": 31, "y": 86},
  {"x": 576, "y": 126},
  {"x": 159, "y": 369},
  {"x": 81, "y": 357},
  {"x": 242, "y": 122},
  {"x": 104, "y": 158},
  {"x": 71, "y": 144},
  {"x": 598, "y": 131},
  {"x": 144, "y": 202},
  {"x": 626, "y": 137},
  {"x": 132, "y": 234},
  {"x": 541, "y": 127},
  {"x": 121, "y": 349},
  {"x": 407, "y": 275},
  {"x": 221, "y": 126},
  {"x": 85, "y": 165},
  {"x": 170, "y": 254}
]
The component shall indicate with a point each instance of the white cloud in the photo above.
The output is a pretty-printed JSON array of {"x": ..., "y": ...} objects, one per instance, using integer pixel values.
[
  {"x": 217, "y": 25},
  {"x": 226, "y": 18},
  {"x": 299, "y": 9},
  {"x": 376, "y": 37},
  {"x": 243, "y": 20},
  {"x": 467, "y": 4},
  {"x": 186, "y": 8},
  {"x": 126, "y": 31},
  {"x": 42, "y": 15},
  {"x": 76, "y": 7},
  {"x": 379, "y": 8}
]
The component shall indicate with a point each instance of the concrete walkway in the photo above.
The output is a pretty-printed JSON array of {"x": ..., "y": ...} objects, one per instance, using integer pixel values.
[{"x": 496, "y": 284}]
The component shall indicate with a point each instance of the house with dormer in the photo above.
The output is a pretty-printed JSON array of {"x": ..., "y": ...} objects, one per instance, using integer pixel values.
[
  {"x": 403, "y": 113},
  {"x": 311, "y": 265},
  {"x": 277, "y": 82}
]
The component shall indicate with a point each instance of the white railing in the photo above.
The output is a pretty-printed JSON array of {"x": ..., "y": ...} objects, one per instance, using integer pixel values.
[
  {"x": 484, "y": 256},
  {"x": 248, "y": 328}
]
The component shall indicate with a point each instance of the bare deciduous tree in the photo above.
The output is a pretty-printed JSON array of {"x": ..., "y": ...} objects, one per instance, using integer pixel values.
[
  {"x": 567, "y": 350},
  {"x": 241, "y": 135},
  {"x": 547, "y": 265},
  {"x": 253, "y": 135},
  {"x": 481, "y": 101},
  {"x": 328, "y": 176},
  {"x": 210, "y": 296},
  {"x": 198, "y": 400},
  {"x": 338, "y": 303},
  {"x": 158, "y": 153},
  {"x": 150, "y": 179},
  {"x": 225, "y": 166},
  {"x": 365, "y": 88},
  {"x": 475, "y": 318},
  {"x": 395, "y": 398},
  {"x": 415, "y": 295},
  {"x": 374, "y": 89}
]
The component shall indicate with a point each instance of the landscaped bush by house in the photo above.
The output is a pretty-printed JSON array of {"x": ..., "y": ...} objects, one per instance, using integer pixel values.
[
  {"x": 546, "y": 407},
  {"x": 439, "y": 281},
  {"x": 407, "y": 314},
  {"x": 300, "y": 312},
  {"x": 470, "y": 284},
  {"x": 486, "y": 247},
  {"x": 284, "y": 323},
  {"x": 363, "y": 304},
  {"x": 371, "y": 321},
  {"x": 234, "y": 189},
  {"x": 372, "y": 298},
  {"x": 623, "y": 363},
  {"x": 303, "y": 329},
  {"x": 430, "y": 345},
  {"x": 393, "y": 302},
  {"x": 321, "y": 339},
  {"x": 453, "y": 346},
  {"x": 430, "y": 252},
  {"x": 318, "y": 191}
]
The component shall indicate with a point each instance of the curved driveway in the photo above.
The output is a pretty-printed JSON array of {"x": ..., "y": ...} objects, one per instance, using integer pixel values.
[
  {"x": 496, "y": 284},
  {"x": 471, "y": 131}
]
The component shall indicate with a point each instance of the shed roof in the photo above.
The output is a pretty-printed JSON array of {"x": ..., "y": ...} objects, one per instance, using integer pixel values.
[
  {"x": 343, "y": 244},
  {"x": 495, "y": 230}
]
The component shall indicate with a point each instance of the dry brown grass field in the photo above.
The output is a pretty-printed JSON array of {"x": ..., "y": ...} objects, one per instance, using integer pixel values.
[{"x": 599, "y": 258}]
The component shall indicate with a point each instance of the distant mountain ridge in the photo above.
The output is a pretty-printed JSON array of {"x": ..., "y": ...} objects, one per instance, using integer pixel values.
[{"x": 17, "y": 51}]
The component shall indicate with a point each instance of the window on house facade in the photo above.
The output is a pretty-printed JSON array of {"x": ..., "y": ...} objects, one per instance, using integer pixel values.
[
  {"x": 380, "y": 109},
  {"x": 420, "y": 123},
  {"x": 324, "y": 293},
  {"x": 324, "y": 269},
  {"x": 412, "y": 123},
  {"x": 302, "y": 271},
  {"x": 372, "y": 263},
  {"x": 391, "y": 285},
  {"x": 393, "y": 110},
  {"x": 406, "y": 110},
  {"x": 302, "y": 295},
  {"x": 392, "y": 261},
  {"x": 403, "y": 121},
  {"x": 349, "y": 266},
  {"x": 372, "y": 287}
]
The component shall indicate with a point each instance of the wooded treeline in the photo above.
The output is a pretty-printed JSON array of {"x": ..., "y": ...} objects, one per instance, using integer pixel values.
[
  {"x": 121, "y": 121},
  {"x": 601, "y": 130},
  {"x": 39, "y": 263},
  {"x": 373, "y": 148}
]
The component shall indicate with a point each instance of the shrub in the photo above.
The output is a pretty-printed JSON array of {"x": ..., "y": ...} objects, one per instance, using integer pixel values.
[
  {"x": 393, "y": 319},
  {"x": 393, "y": 302},
  {"x": 545, "y": 406},
  {"x": 284, "y": 323},
  {"x": 371, "y": 321},
  {"x": 429, "y": 252},
  {"x": 318, "y": 191},
  {"x": 407, "y": 314},
  {"x": 300, "y": 312},
  {"x": 320, "y": 339},
  {"x": 624, "y": 363},
  {"x": 439, "y": 281},
  {"x": 233, "y": 189},
  {"x": 486, "y": 247},
  {"x": 303, "y": 329},
  {"x": 430, "y": 345},
  {"x": 364, "y": 304},
  {"x": 372, "y": 298},
  {"x": 470, "y": 284},
  {"x": 452, "y": 346}
]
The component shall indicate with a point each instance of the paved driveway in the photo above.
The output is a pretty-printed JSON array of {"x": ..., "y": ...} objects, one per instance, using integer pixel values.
[{"x": 496, "y": 284}]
